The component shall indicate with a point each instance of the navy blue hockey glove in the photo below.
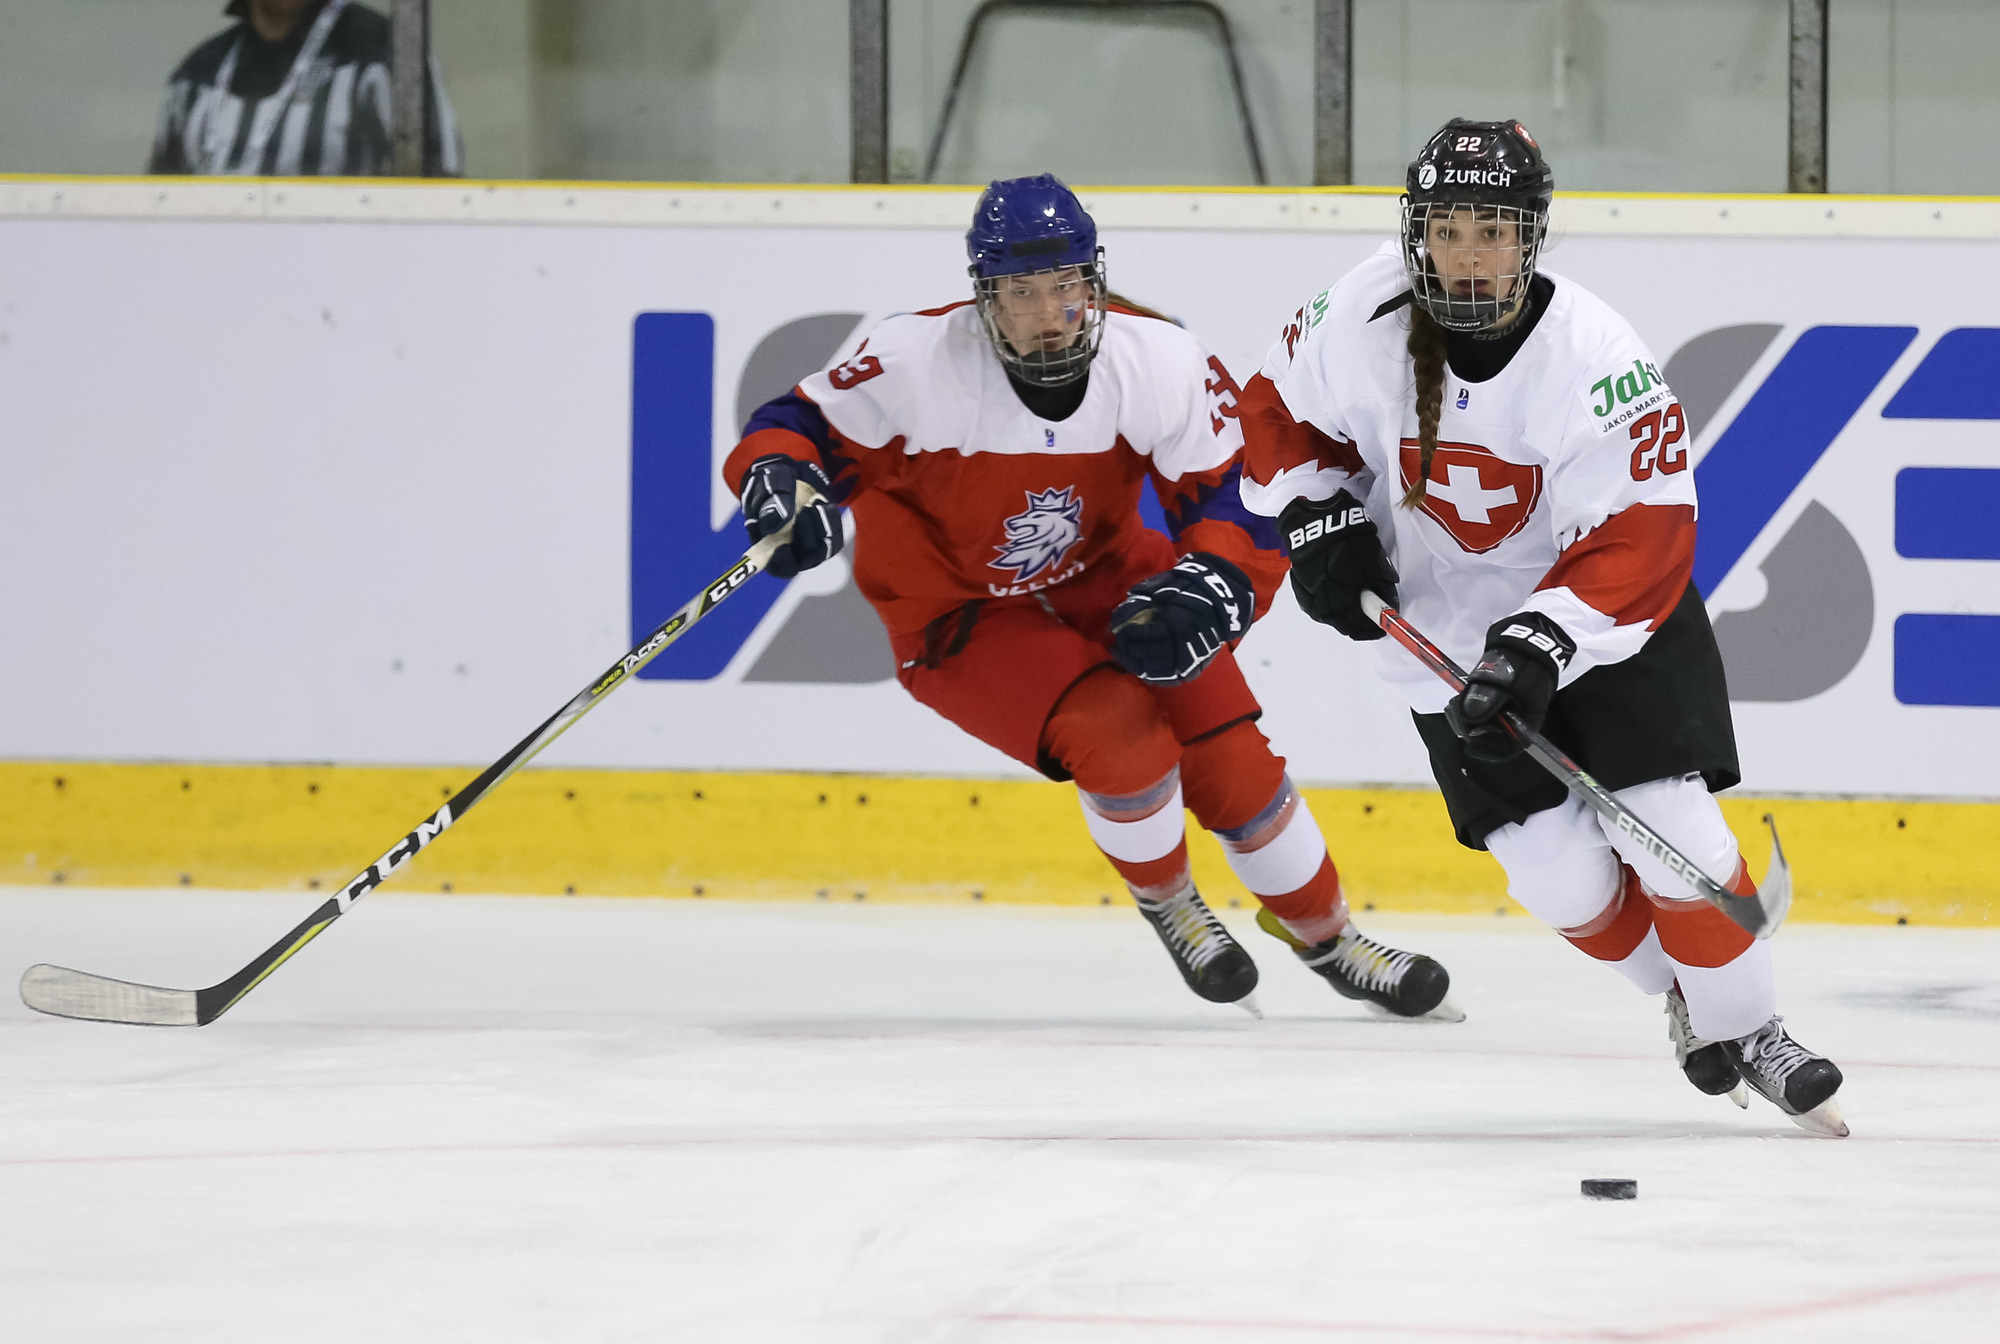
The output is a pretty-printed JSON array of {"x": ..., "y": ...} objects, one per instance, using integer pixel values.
[
  {"x": 1524, "y": 659},
  {"x": 1335, "y": 554},
  {"x": 1171, "y": 626},
  {"x": 769, "y": 500}
]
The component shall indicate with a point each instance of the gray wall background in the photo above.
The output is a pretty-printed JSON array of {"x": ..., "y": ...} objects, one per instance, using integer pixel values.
[{"x": 1663, "y": 95}]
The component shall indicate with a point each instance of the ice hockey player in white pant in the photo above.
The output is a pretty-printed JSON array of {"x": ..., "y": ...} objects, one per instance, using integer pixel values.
[{"x": 1494, "y": 452}]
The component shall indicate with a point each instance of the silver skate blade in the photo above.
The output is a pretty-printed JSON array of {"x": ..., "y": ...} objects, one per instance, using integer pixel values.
[
  {"x": 1740, "y": 1095},
  {"x": 1248, "y": 1003},
  {"x": 1824, "y": 1119},
  {"x": 1446, "y": 1011},
  {"x": 1774, "y": 894},
  {"x": 59, "y": 991}
]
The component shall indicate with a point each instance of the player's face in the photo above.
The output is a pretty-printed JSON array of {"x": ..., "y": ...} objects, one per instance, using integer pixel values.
[
  {"x": 1042, "y": 311},
  {"x": 1477, "y": 255}
]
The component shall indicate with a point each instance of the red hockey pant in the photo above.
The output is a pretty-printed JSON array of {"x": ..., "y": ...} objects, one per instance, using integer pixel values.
[{"x": 1034, "y": 678}]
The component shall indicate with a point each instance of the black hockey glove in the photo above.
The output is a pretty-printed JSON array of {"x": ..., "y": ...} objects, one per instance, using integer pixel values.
[
  {"x": 1335, "y": 554},
  {"x": 769, "y": 500},
  {"x": 1171, "y": 625},
  {"x": 1525, "y": 657}
]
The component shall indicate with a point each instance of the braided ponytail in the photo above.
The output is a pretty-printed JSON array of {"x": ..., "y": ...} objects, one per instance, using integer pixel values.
[{"x": 1427, "y": 352}]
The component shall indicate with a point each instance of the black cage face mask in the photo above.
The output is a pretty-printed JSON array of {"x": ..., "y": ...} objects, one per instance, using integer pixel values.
[{"x": 1470, "y": 264}]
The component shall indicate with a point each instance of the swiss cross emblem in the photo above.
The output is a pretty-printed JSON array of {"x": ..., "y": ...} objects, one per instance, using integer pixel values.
[{"x": 1480, "y": 498}]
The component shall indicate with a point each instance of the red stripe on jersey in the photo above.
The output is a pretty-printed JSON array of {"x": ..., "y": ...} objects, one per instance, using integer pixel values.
[
  {"x": 1265, "y": 569},
  {"x": 1273, "y": 442},
  {"x": 763, "y": 443},
  {"x": 1634, "y": 566},
  {"x": 940, "y": 312}
]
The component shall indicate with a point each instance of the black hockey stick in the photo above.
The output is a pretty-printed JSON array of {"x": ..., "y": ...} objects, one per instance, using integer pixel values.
[
  {"x": 68, "y": 993},
  {"x": 1760, "y": 914}
]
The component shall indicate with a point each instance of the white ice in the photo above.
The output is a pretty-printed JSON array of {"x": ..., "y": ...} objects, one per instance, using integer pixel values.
[{"x": 510, "y": 1119}]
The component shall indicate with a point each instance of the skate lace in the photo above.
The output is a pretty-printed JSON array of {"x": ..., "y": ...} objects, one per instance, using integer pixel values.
[
  {"x": 1774, "y": 1054},
  {"x": 1371, "y": 965},
  {"x": 1679, "y": 1031},
  {"x": 1193, "y": 931}
]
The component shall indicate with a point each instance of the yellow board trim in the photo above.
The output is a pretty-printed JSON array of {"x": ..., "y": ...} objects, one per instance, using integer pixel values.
[
  {"x": 551, "y": 184},
  {"x": 856, "y": 837}
]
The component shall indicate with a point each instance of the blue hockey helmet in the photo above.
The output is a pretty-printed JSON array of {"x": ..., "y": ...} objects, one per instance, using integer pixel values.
[
  {"x": 1045, "y": 330},
  {"x": 1029, "y": 224}
]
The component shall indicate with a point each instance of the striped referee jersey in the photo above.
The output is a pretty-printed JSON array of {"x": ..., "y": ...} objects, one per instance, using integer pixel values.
[{"x": 313, "y": 104}]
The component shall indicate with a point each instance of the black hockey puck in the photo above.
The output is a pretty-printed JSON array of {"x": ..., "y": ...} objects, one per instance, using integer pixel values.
[{"x": 1610, "y": 1189}]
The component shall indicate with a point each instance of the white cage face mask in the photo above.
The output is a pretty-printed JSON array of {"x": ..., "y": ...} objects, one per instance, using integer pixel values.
[
  {"x": 1045, "y": 325},
  {"x": 1469, "y": 265}
]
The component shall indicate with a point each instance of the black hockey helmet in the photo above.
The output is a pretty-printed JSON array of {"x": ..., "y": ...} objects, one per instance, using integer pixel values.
[{"x": 1495, "y": 170}]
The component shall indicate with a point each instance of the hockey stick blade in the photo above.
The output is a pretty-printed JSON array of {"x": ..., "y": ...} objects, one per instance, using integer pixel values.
[
  {"x": 62, "y": 992},
  {"x": 1775, "y": 891},
  {"x": 1758, "y": 915},
  {"x": 65, "y": 993}
]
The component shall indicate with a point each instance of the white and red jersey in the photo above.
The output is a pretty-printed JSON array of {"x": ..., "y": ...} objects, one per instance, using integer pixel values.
[
  {"x": 1559, "y": 485},
  {"x": 960, "y": 492}
]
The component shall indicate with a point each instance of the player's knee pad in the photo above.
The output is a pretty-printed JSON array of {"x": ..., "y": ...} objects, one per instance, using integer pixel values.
[
  {"x": 1111, "y": 735},
  {"x": 1559, "y": 865},
  {"x": 1687, "y": 816},
  {"x": 1232, "y": 777}
]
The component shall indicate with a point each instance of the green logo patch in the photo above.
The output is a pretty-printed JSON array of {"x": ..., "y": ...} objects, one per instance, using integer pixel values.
[{"x": 1618, "y": 398}]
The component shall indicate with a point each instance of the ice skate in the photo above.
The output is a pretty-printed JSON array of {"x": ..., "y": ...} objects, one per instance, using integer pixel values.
[
  {"x": 1707, "y": 1064},
  {"x": 1390, "y": 982},
  {"x": 1791, "y": 1077},
  {"x": 1212, "y": 962}
]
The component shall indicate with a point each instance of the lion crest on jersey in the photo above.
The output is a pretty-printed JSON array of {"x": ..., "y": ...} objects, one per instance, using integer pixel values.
[{"x": 1042, "y": 534}]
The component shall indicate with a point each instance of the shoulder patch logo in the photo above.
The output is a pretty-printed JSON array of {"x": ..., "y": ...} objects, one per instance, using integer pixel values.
[
  {"x": 1042, "y": 534},
  {"x": 1478, "y": 497},
  {"x": 1304, "y": 320},
  {"x": 1622, "y": 396}
]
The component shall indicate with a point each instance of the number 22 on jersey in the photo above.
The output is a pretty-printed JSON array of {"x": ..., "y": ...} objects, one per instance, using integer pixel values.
[{"x": 1657, "y": 438}]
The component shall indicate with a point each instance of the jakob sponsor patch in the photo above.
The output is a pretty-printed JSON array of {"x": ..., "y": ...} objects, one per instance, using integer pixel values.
[{"x": 1626, "y": 394}]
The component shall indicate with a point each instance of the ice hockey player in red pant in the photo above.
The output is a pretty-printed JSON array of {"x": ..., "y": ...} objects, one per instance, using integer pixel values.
[
  {"x": 1494, "y": 452},
  {"x": 992, "y": 452}
]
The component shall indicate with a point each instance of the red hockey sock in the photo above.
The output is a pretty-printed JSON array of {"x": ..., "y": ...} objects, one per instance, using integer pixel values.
[
  {"x": 1315, "y": 912},
  {"x": 1620, "y": 927},
  {"x": 1156, "y": 879},
  {"x": 1695, "y": 933}
]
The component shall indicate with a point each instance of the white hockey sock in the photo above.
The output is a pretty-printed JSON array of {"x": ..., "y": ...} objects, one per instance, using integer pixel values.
[
  {"x": 1139, "y": 827},
  {"x": 1647, "y": 966},
  {"x": 1728, "y": 1002},
  {"x": 1278, "y": 852}
]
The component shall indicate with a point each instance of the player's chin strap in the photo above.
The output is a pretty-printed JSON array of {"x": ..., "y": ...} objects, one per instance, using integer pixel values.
[{"x": 1760, "y": 913}]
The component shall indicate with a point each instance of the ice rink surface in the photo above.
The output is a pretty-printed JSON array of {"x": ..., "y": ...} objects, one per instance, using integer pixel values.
[{"x": 467, "y": 1119}]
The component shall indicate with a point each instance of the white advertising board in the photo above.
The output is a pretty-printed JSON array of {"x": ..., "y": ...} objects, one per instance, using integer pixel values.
[{"x": 309, "y": 490}]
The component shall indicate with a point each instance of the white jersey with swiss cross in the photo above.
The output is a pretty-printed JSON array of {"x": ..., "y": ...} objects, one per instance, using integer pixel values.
[{"x": 1559, "y": 485}]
